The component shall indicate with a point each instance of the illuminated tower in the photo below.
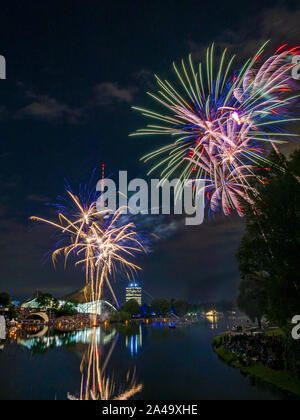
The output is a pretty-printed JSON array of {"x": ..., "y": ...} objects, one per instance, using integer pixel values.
[{"x": 134, "y": 291}]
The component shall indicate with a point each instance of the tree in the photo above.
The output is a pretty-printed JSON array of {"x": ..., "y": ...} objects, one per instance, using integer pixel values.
[
  {"x": 249, "y": 299},
  {"x": 160, "y": 306},
  {"x": 4, "y": 299},
  {"x": 269, "y": 251},
  {"x": 119, "y": 316},
  {"x": 12, "y": 313},
  {"x": 68, "y": 308},
  {"x": 225, "y": 306},
  {"x": 47, "y": 301},
  {"x": 131, "y": 306},
  {"x": 180, "y": 307},
  {"x": 145, "y": 310}
]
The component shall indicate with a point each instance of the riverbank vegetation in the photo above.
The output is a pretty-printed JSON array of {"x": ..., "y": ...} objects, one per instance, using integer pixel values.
[
  {"x": 284, "y": 380},
  {"x": 268, "y": 260},
  {"x": 268, "y": 256}
]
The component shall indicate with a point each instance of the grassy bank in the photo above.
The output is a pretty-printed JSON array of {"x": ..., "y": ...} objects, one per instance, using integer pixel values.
[{"x": 282, "y": 379}]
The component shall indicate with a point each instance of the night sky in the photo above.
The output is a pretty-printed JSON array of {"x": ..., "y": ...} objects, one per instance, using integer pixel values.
[{"x": 74, "y": 69}]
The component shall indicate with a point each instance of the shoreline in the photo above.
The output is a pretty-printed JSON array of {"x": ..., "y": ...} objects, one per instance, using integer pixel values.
[
  {"x": 76, "y": 323},
  {"x": 281, "y": 379}
]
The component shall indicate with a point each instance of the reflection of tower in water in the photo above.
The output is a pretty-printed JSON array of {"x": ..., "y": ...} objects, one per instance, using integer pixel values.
[{"x": 135, "y": 342}]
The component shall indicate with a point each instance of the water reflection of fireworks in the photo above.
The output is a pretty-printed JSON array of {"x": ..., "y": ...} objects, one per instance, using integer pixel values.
[{"x": 96, "y": 384}]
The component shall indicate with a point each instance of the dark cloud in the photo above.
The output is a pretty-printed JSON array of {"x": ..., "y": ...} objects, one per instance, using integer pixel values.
[
  {"x": 145, "y": 78},
  {"x": 278, "y": 24},
  {"x": 46, "y": 108},
  {"x": 198, "y": 263},
  {"x": 38, "y": 198},
  {"x": 22, "y": 268},
  {"x": 108, "y": 93}
]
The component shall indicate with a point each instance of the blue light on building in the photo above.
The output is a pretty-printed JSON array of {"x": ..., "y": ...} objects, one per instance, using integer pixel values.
[{"x": 134, "y": 291}]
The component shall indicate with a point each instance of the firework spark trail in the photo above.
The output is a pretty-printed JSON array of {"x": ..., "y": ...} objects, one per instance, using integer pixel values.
[
  {"x": 100, "y": 245},
  {"x": 221, "y": 122},
  {"x": 95, "y": 383}
]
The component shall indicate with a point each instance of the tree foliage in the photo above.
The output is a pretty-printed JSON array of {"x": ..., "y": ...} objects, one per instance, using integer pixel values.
[
  {"x": 4, "y": 299},
  {"x": 160, "y": 306},
  {"x": 269, "y": 253},
  {"x": 131, "y": 306},
  {"x": 12, "y": 313},
  {"x": 47, "y": 301},
  {"x": 249, "y": 298},
  {"x": 180, "y": 307},
  {"x": 120, "y": 316},
  {"x": 67, "y": 309}
]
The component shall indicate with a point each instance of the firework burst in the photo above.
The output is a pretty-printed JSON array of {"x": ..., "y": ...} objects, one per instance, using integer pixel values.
[
  {"x": 220, "y": 122},
  {"x": 103, "y": 246}
]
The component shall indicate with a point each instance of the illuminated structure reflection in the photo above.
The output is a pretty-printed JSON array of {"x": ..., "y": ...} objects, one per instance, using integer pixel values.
[
  {"x": 135, "y": 342},
  {"x": 213, "y": 318},
  {"x": 96, "y": 384},
  {"x": 81, "y": 336}
]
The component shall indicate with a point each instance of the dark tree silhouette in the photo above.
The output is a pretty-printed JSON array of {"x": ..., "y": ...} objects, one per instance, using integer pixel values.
[
  {"x": 4, "y": 299},
  {"x": 131, "y": 307},
  {"x": 269, "y": 253}
]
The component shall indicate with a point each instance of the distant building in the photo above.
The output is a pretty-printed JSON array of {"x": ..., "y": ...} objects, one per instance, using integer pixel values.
[
  {"x": 134, "y": 291},
  {"x": 32, "y": 303},
  {"x": 100, "y": 307}
]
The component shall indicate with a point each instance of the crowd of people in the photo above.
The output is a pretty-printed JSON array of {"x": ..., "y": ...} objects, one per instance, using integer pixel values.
[
  {"x": 63, "y": 323},
  {"x": 76, "y": 322},
  {"x": 261, "y": 348}
]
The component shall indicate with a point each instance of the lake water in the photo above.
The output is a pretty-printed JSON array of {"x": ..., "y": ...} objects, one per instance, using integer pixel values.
[{"x": 170, "y": 363}]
